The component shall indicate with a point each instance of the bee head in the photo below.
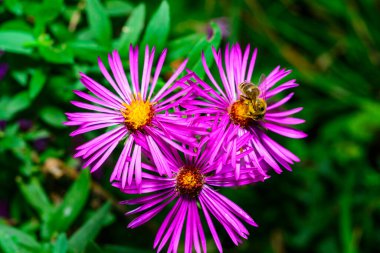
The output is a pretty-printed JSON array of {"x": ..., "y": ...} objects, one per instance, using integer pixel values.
[{"x": 261, "y": 105}]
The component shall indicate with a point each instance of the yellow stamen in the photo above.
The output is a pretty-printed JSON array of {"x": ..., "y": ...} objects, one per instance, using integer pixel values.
[
  {"x": 189, "y": 181},
  {"x": 137, "y": 114},
  {"x": 240, "y": 113}
]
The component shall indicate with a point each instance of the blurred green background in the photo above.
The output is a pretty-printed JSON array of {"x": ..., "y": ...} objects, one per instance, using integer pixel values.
[{"x": 329, "y": 203}]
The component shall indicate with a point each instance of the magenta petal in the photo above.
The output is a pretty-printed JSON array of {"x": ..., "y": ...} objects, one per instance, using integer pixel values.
[
  {"x": 160, "y": 63},
  {"x": 147, "y": 198},
  {"x": 211, "y": 226},
  {"x": 178, "y": 226},
  {"x": 159, "y": 159},
  {"x": 281, "y": 102},
  {"x": 285, "y": 131},
  {"x": 285, "y": 113},
  {"x": 121, "y": 164},
  {"x": 197, "y": 228},
  {"x": 149, "y": 214},
  {"x": 170, "y": 81}
]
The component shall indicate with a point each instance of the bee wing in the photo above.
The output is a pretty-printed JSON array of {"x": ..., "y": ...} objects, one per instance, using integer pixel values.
[
  {"x": 263, "y": 86},
  {"x": 240, "y": 89},
  {"x": 262, "y": 79}
]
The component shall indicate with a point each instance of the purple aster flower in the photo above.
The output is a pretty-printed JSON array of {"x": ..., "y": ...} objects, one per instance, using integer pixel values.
[
  {"x": 4, "y": 208},
  {"x": 3, "y": 67},
  {"x": 3, "y": 125},
  {"x": 25, "y": 124},
  {"x": 41, "y": 144},
  {"x": 3, "y": 70},
  {"x": 190, "y": 185},
  {"x": 135, "y": 115},
  {"x": 248, "y": 117},
  {"x": 224, "y": 25}
]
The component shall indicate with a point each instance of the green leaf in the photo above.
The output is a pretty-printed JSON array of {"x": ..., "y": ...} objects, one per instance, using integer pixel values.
[
  {"x": 206, "y": 46},
  {"x": 64, "y": 215},
  {"x": 131, "y": 30},
  {"x": 35, "y": 195},
  {"x": 61, "y": 54},
  {"x": 195, "y": 54},
  {"x": 61, "y": 92},
  {"x": 50, "y": 9},
  {"x": 158, "y": 28},
  {"x": 14, "y": 240},
  {"x": 180, "y": 48},
  {"x": 117, "y": 249},
  {"x": 87, "y": 50},
  {"x": 36, "y": 134},
  {"x": 10, "y": 139},
  {"x": 7, "y": 244},
  {"x": 100, "y": 24},
  {"x": 20, "y": 76},
  {"x": 15, "y": 6},
  {"x": 43, "y": 12},
  {"x": 88, "y": 232},
  {"x": 36, "y": 83},
  {"x": 92, "y": 247},
  {"x": 53, "y": 116},
  {"x": 16, "y": 24},
  {"x": 118, "y": 8},
  {"x": 61, "y": 32},
  {"x": 10, "y": 106},
  {"x": 61, "y": 244},
  {"x": 15, "y": 41}
]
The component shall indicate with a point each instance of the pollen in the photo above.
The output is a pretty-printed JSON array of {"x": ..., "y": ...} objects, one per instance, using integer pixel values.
[
  {"x": 189, "y": 181},
  {"x": 137, "y": 114},
  {"x": 240, "y": 112}
]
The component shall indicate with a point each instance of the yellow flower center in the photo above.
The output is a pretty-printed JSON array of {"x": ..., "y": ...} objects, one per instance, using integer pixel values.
[
  {"x": 240, "y": 113},
  {"x": 137, "y": 114},
  {"x": 189, "y": 181},
  {"x": 246, "y": 111}
]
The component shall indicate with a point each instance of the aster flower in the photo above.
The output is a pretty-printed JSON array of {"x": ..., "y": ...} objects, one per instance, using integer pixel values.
[
  {"x": 190, "y": 186},
  {"x": 3, "y": 70},
  {"x": 248, "y": 118},
  {"x": 135, "y": 114},
  {"x": 3, "y": 67}
]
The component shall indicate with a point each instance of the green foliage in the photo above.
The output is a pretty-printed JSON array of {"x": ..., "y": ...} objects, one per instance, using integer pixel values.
[
  {"x": 157, "y": 30},
  {"x": 132, "y": 29},
  {"x": 100, "y": 24},
  {"x": 16, "y": 41},
  {"x": 35, "y": 195},
  {"x": 204, "y": 45},
  {"x": 89, "y": 230},
  {"x": 36, "y": 83},
  {"x": 329, "y": 203},
  {"x": 53, "y": 116},
  {"x": 14, "y": 240},
  {"x": 63, "y": 215}
]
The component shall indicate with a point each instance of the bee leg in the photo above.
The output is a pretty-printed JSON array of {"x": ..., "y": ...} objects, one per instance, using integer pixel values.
[
  {"x": 252, "y": 114},
  {"x": 244, "y": 100}
]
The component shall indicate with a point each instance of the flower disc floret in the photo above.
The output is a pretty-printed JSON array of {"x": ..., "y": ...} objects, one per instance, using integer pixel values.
[
  {"x": 239, "y": 113},
  {"x": 189, "y": 181},
  {"x": 137, "y": 114}
]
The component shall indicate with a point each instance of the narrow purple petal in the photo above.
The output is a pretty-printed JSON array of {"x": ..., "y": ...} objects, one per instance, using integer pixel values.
[
  {"x": 285, "y": 131},
  {"x": 94, "y": 99},
  {"x": 158, "y": 96},
  {"x": 149, "y": 214},
  {"x": 159, "y": 65},
  {"x": 281, "y": 102},
  {"x": 211, "y": 226},
  {"x": 285, "y": 113},
  {"x": 251, "y": 65}
]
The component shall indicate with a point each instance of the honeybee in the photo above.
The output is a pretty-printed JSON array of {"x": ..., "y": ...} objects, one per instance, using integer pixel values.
[{"x": 250, "y": 96}]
